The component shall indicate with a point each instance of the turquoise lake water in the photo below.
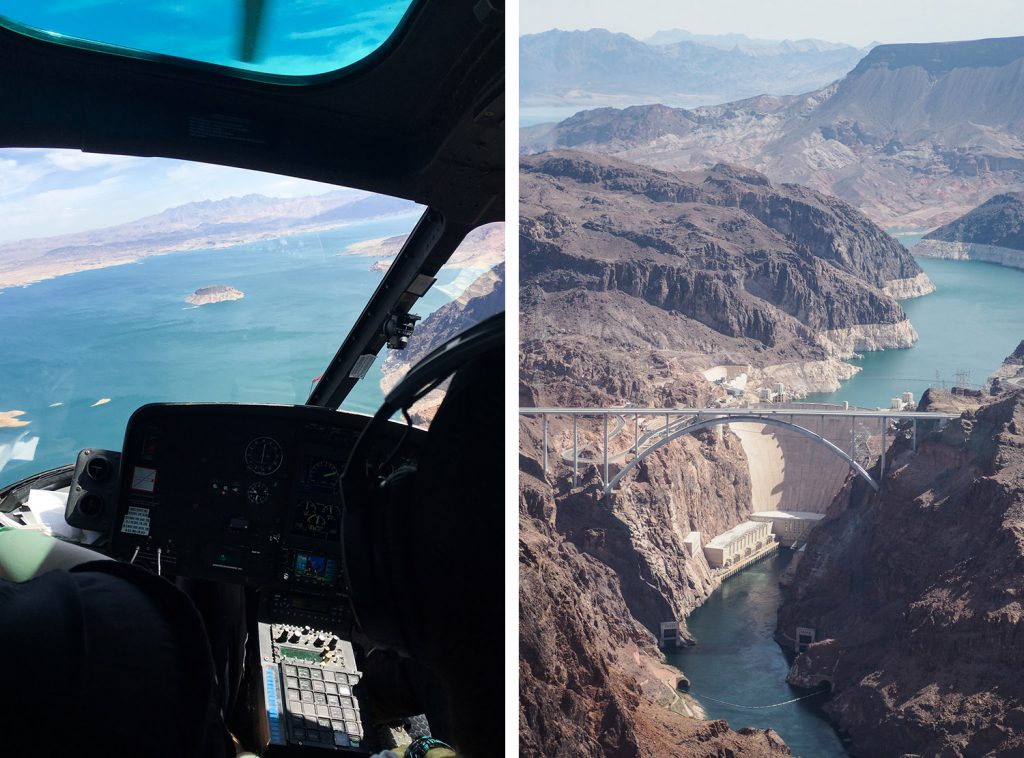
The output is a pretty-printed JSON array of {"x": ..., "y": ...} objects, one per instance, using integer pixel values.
[
  {"x": 125, "y": 333},
  {"x": 736, "y": 660},
  {"x": 973, "y": 320}
]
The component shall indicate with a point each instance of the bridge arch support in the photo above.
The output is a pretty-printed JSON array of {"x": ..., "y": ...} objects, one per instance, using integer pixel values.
[{"x": 734, "y": 419}]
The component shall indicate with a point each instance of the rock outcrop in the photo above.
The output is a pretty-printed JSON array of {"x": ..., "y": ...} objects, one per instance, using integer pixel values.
[
  {"x": 704, "y": 269},
  {"x": 992, "y": 232},
  {"x": 1009, "y": 376},
  {"x": 215, "y": 293},
  {"x": 915, "y": 592},
  {"x": 913, "y": 136}
]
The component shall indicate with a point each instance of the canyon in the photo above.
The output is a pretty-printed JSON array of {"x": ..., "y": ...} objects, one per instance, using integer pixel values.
[{"x": 637, "y": 286}]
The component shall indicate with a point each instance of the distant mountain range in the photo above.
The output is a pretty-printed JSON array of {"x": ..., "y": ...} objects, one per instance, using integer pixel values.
[
  {"x": 203, "y": 224},
  {"x": 748, "y": 44},
  {"x": 914, "y": 135},
  {"x": 599, "y": 68}
]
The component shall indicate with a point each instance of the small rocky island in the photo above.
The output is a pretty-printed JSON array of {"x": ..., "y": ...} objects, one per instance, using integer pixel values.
[{"x": 216, "y": 293}]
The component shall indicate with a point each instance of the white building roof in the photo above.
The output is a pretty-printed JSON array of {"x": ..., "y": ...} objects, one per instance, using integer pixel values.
[
  {"x": 795, "y": 515},
  {"x": 736, "y": 533}
]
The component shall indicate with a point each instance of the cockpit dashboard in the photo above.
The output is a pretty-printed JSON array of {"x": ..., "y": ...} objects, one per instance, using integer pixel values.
[{"x": 241, "y": 494}]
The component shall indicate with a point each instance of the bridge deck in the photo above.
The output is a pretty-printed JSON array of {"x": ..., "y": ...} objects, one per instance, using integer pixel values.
[
  {"x": 846, "y": 413},
  {"x": 702, "y": 417}
]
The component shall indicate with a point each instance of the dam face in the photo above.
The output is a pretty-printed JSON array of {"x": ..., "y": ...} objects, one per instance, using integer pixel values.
[{"x": 790, "y": 472}]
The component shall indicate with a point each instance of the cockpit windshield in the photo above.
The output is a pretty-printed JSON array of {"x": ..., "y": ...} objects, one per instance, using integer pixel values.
[
  {"x": 129, "y": 280},
  {"x": 299, "y": 38}
]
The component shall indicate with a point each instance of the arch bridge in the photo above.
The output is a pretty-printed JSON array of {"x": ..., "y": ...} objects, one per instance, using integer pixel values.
[{"x": 679, "y": 422}]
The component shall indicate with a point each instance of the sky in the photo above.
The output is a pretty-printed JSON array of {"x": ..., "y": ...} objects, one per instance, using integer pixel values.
[
  {"x": 297, "y": 37},
  {"x": 45, "y": 192},
  {"x": 857, "y": 22}
]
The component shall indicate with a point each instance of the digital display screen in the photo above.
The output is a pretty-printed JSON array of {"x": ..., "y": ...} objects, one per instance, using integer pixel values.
[
  {"x": 300, "y": 654},
  {"x": 228, "y": 559},
  {"x": 144, "y": 479},
  {"x": 319, "y": 568}
]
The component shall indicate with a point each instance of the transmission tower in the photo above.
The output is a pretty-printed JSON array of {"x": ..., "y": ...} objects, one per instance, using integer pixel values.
[{"x": 962, "y": 378}]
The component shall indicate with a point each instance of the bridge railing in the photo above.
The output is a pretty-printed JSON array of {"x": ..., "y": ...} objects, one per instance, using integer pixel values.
[{"x": 681, "y": 421}]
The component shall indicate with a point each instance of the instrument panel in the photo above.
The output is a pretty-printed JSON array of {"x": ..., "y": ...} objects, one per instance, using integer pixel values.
[{"x": 244, "y": 494}]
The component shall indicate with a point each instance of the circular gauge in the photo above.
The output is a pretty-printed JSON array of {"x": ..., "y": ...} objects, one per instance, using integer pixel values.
[
  {"x": 258, "y": 493},
  {"x": 313, "y": 515},
  {"x": 323, "y": 476},
  {"x": 263, "y": 456}
]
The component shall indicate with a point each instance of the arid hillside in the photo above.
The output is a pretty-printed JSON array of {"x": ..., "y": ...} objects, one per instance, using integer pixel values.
[{"x": 913, "y": 136}]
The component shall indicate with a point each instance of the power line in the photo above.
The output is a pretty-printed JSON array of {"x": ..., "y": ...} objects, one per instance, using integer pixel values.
[{"x": 756, "y": 707}]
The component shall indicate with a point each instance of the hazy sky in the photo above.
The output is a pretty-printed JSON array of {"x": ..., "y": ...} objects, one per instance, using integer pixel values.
[
  {"x": 854, "y": 22},
  {"x": 44, "y": 192}
]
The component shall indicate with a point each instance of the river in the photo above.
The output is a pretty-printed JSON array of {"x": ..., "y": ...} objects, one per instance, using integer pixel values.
[{"x": 736, "y": 660}]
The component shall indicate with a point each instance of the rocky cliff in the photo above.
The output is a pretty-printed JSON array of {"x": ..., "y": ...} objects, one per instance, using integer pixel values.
[
  {"x": 913, "y": 136},
  {"x": 1010, "y": 375},
  {"x": 915, "y": 593},
  {"x": 992, "y": 232},
  {"x": 701, "y": 269},
  {"x": 483, "y": 298},
  {"x": 591, "y": 679}
]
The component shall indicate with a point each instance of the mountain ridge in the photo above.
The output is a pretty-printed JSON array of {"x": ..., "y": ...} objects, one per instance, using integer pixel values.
[
  {"x": 195, "y": 225},
  {"x": 890, "y": 137},
  {"x": 599, "y": 67}
]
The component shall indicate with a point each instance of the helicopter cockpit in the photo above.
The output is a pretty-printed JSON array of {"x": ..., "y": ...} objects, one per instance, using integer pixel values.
[{"x": 323, "y": 548}]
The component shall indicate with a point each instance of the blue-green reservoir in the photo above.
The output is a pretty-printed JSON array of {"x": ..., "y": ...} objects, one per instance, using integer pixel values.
[
  {"x": 82, "y": 351},
  {"x": 973, "y": 320}
]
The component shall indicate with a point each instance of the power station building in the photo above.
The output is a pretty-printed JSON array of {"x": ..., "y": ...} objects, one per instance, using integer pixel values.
[
  {"x": 790, "y": 527},
  {"x": 738, "y": 543}
]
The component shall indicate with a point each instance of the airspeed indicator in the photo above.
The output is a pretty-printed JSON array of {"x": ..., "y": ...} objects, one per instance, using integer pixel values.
[{"x": 263, "y": 456}]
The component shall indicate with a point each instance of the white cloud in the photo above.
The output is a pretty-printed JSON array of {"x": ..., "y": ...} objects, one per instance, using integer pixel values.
[
  {"x": 45, "y": 192},
  {"x": 379, "y": 22},
  {"x": 75, "y": 160},
  {"x": 16, "y": 177}
]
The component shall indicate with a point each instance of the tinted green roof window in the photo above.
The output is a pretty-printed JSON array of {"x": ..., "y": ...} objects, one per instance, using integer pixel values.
[{"x": 274, "y": 37}]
